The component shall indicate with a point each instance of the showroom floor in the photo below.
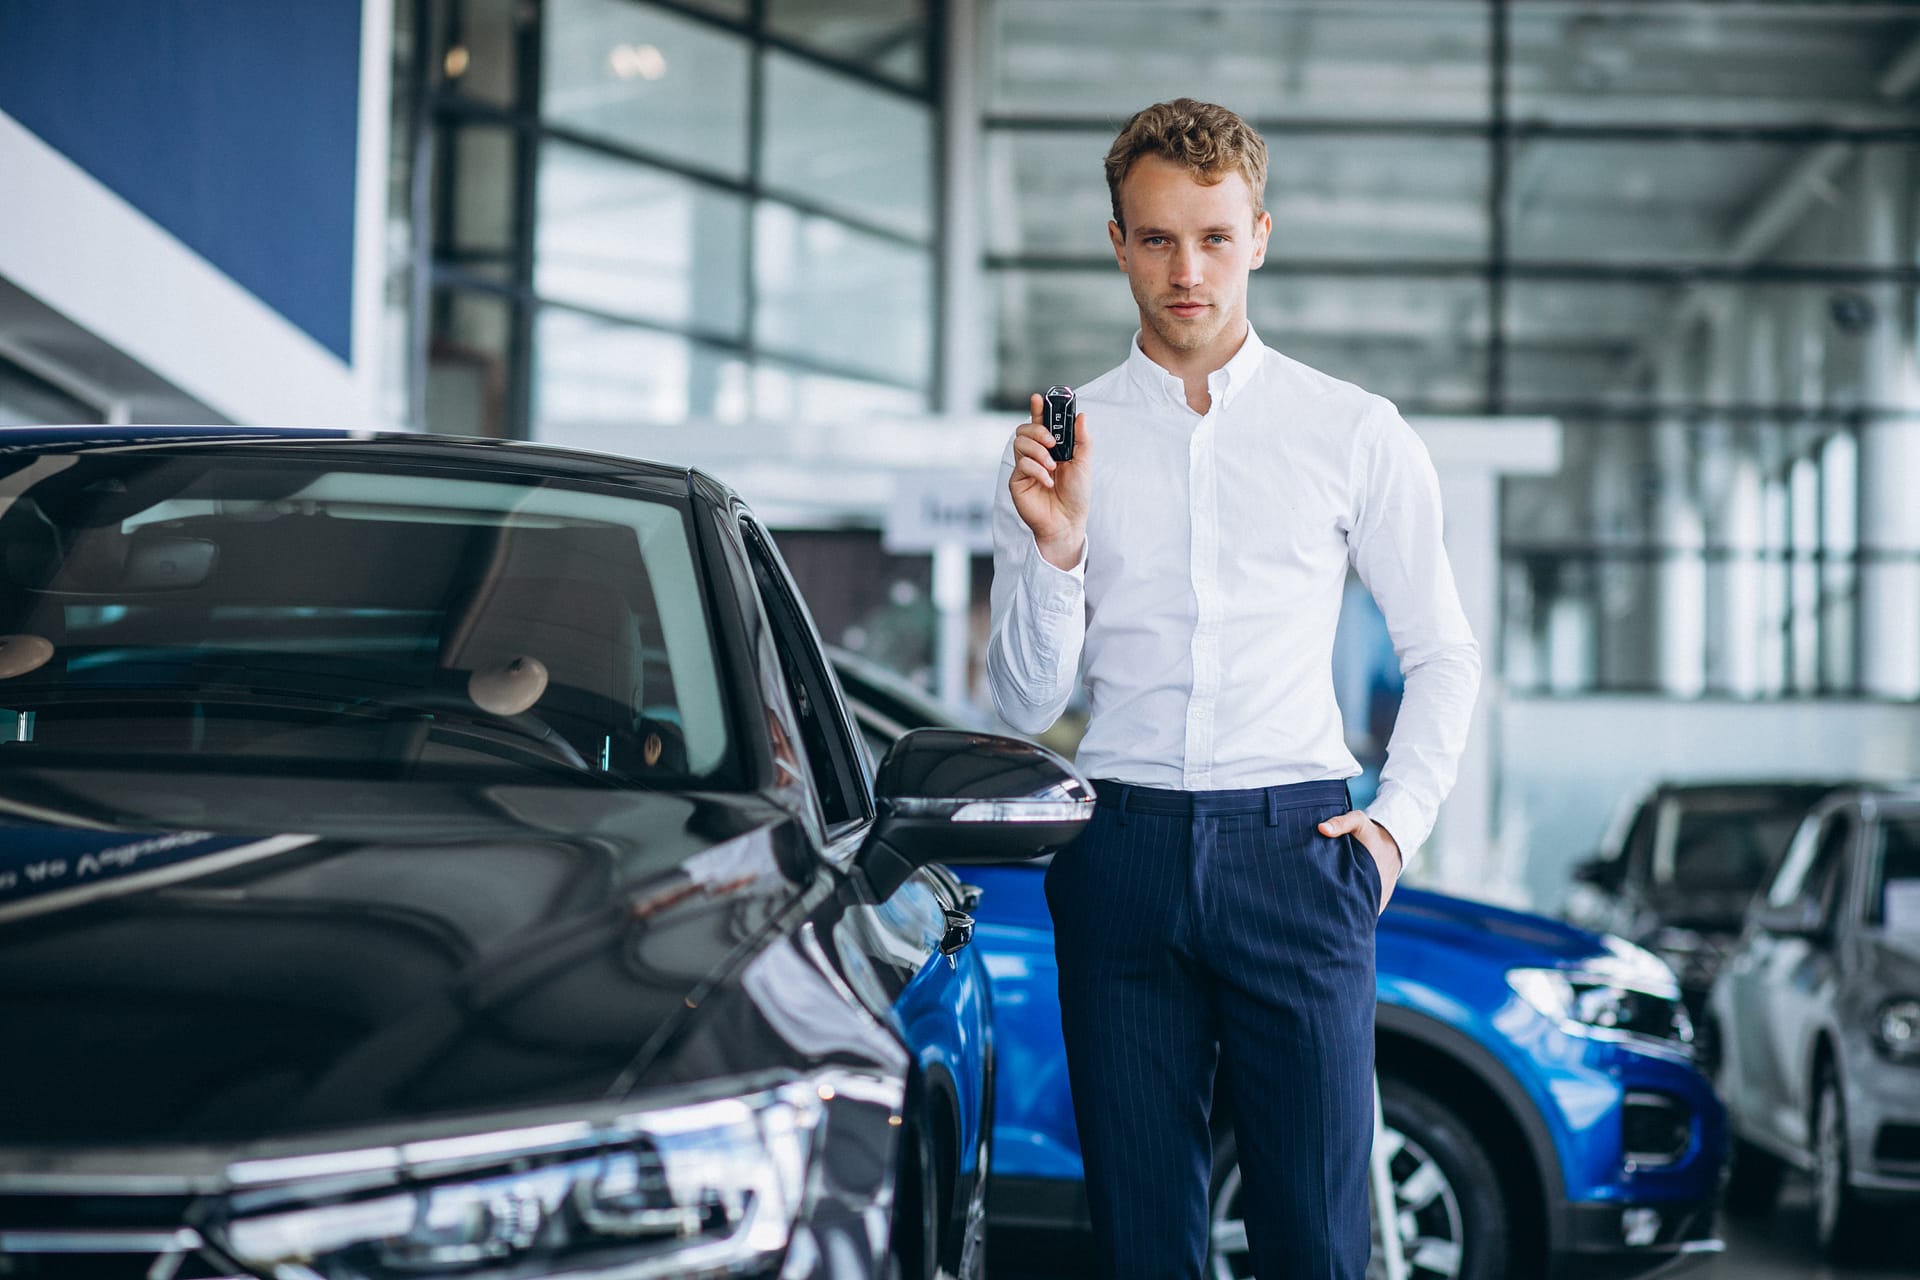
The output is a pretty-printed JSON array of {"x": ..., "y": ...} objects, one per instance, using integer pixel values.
[
  {"x": 1775, "y": 1248},
  {"x": 1781, "y": 1246}
]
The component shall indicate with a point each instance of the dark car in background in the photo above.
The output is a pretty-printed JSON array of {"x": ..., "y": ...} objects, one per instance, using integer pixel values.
[
  {"x": 424, "y": 857},
  {"x": 1680, "y": 863},
  {"x": 1543, "y": 1113},
  {"x": 1818, "y": 1016},
  {"x": 886, "y": 705}
]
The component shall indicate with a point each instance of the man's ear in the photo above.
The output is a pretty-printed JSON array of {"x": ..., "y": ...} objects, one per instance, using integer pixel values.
[
  {"x": 1262, "y": 228},
  {"x": 1119, "y": 238}
]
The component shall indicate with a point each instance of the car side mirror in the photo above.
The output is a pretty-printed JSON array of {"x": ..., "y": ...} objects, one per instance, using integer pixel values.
[
  {"x": 947, "y": 795},
  {"x": 1801, "y": 918},
  {"x": 1601, "y": 873}
]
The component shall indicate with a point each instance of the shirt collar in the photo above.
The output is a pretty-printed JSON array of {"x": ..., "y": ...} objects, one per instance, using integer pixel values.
[
  {"x": 1223, "y": 383},
  {"x": 1231, "y": 378}
]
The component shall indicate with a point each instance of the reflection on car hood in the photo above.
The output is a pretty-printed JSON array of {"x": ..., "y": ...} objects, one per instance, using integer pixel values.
[
  {"x": 385, "y": 952},
  {"x": 1490, "y": 932}
]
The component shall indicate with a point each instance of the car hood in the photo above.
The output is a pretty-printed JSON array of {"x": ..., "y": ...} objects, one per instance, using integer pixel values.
[
  {"x": 1491, "y": 933},
  {"x": 1715, "y": 912},
  {"x": 344, "y": 954},
  {"x": 1895, "y": 962}
]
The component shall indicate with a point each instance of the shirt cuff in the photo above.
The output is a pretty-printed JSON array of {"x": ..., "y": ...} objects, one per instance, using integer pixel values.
[
  {"x": 1406, "y": 819},
  {"x": 1048, "y": 582}
]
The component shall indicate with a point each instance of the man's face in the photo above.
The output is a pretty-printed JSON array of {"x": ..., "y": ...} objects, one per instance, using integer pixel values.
[{"x": 1187, "y": 250}]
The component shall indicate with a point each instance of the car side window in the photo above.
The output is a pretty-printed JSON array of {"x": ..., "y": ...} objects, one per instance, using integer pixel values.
[
  {"x": 1813, "y": 870},
  {"x": 1835, "y": 869},
  {"x": 832, "y": 755},
  {"x": 1636, "y": 851},
  {"x": 1893, "y": 897}
]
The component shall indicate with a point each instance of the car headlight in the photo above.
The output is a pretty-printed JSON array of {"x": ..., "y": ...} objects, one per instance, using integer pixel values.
[
  {"x": 1896, "y": 1029},
  {"x": 708, "y": 1188},
  {"x": 1628, "y": 991}
]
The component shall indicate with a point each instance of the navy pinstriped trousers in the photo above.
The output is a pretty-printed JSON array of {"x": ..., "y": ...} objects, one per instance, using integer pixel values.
[{"x": 1195, "y": 927}]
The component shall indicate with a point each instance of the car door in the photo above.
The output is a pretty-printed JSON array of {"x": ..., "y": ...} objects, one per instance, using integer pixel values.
[
  {"x": 1786, "y": 980},
  {"x": 919, "y": 937},
  {"x": 903, "y": 935},
  {"x": 929, "y": 910}
]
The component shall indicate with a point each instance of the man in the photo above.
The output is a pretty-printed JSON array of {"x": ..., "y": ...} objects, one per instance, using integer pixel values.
[{"x": 1191, "y": 555}]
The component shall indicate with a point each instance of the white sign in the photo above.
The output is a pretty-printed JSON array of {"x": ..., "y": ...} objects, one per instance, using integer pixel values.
[{"x": 934, "y": 508}]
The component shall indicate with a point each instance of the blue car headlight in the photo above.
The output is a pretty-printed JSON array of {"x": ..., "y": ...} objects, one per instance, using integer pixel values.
[
  {"x": 1628, "y": 992},
  {"x": 1896, "y": 1029},
  {"x": 709, "y": 1188}
]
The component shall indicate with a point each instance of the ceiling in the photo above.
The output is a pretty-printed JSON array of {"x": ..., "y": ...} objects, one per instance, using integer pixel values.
[{"x": 1649, "y": 144}]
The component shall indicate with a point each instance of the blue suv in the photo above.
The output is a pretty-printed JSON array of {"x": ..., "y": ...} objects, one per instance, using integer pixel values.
[{"x": 1542, "y": 1105}]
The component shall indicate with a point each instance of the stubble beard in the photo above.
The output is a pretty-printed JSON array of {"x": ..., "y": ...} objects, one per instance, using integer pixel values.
[
  {"x": 1187, "y": 335},
  {"x": 1182, "y": 335}
]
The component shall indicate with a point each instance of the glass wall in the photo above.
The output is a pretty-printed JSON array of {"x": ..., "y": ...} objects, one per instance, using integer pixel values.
[
  {"x": 1690, "y": 231},
  {"x": 641, "y": 211}
]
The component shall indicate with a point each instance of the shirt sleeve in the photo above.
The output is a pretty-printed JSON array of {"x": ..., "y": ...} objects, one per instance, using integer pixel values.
[
  {"x": 1038, "y": 620},
  {"x": 1395, "y": 547}
]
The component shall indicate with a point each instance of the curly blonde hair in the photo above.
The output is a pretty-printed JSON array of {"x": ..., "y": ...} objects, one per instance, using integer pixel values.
[{"x": 1209, "y": 140}]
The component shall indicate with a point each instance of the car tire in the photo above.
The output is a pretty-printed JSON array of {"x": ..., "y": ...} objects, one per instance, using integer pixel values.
[
  {"x": 1753, "y": 1179},
  {"x": 973, "y": 1249},
  {"x": 1841, "y": 1226},
  {"x": 1445, "y": 1188},
  {"x": 913, "y": 1246}
]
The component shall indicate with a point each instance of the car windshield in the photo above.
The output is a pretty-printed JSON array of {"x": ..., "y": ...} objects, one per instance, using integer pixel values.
[
  {"x": 337, "y": 613},
  {"x": 1724, "y": 843},
  {"x": 1893, "y": 889}
]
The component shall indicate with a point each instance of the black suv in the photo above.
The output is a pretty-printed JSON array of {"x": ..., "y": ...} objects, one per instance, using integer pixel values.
[
  {"x": 1680, "y": 864},
  {"x": 424, "y": 857}
]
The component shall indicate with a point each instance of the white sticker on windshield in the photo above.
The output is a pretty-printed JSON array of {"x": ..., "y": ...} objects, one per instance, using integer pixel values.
[{"x": 1903, "y": 906}]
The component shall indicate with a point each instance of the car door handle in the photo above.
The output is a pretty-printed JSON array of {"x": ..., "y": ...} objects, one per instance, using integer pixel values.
[{"x": 959, "y": 932}]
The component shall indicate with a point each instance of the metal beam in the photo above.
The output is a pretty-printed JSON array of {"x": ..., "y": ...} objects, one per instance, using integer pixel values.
[
  {"x": 1810, "y": 179},
  {"x": 1903, "y": 73},
  {"x": 961, "y": 377},
  {"x": 1812, "y": 10},
  {"x": 1575, "y": 271}
]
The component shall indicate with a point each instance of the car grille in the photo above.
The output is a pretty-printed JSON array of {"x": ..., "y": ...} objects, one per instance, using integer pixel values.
[
  {"x": 103, "y": 1237},
  {"x": 108, "y": 1255}
]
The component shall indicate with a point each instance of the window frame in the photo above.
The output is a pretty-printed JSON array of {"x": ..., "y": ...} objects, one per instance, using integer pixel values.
[
  {"x": 841, "y": 785},
  {"x": 442, "y": 108},
  {"x": 1817, "y": 869},
  {"x": 1873, "y": 866}
]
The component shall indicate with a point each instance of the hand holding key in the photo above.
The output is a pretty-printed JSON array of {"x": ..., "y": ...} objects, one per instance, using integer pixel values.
[{"x": 1051, "y": 496}]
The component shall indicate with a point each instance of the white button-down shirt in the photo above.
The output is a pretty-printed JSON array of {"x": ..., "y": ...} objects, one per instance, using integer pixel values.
[{"x": 1203, "y": 610}]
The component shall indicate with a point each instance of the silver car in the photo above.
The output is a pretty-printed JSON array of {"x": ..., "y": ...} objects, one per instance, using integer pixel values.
[{"x": 1817, "y": 1014}]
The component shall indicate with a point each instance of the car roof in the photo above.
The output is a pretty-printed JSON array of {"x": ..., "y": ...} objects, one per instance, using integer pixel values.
[
  {"x": 1740, "y": 786},
  {"x": 1891, "y": 795},
  {"x": 1886, "y": 789},
  {"x": 402, "y": 445}
]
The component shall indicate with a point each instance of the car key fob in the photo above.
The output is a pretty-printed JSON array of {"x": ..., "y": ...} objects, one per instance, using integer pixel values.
[{"x": 1056, "y": 414}]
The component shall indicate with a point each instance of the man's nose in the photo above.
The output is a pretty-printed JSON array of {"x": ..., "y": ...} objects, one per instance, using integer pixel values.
[{"x": 1186, "y": 266}]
